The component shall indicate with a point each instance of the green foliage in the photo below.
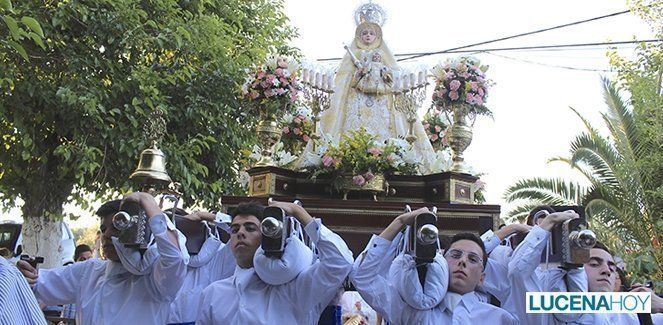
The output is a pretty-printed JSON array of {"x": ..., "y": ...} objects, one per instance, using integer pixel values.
[
  {"x": 617, "y": 203},
  {"x": 73, "y": 121},
  {"x": 16, "y": 32}
]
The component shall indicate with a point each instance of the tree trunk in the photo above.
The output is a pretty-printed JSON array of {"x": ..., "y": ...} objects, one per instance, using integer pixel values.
[{"x": 42, "y": 237}]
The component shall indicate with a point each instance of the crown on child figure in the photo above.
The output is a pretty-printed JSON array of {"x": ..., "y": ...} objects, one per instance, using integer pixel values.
[{"x": 370, "y": 12}]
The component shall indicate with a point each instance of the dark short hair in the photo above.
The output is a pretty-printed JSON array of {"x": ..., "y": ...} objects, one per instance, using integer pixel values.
[
  {"x": 81, "y": 249},
  {"x": 474, "y": 238},
  {"x": 109, "y": 208},
  {"x": 600, "y": 245},
  {"x": 252, "y": 208},
  {"x": 531, "y": 214}
]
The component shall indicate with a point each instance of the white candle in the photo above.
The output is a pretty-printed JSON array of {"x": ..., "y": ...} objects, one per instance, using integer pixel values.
[
  {"x": 324, "y": 84},
  {"x": 406, "y": 81},
  {"x": 318, "y": 79},
  {"x": 305, "y": 74},
  {"x": 330, "y": 80},
  {"x": 311, "y": 77},
  {"x": 413, "y": 80},
  {"x": 422, "y": 77}
]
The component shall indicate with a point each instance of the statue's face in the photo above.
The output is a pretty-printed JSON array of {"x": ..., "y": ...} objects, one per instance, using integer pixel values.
[{"x": 368, "y": 36}]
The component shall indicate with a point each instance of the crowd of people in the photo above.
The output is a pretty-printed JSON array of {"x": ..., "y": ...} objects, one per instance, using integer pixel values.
[{"x": 471, "y": 280}]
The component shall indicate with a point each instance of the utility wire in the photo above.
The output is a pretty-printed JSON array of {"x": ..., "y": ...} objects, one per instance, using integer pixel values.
[
  {"x": 534, "y": 47},
  {"x": 547, "y": 65},
  {"x": 418, "y": 55},
  {"x": 557, "y": 46}
]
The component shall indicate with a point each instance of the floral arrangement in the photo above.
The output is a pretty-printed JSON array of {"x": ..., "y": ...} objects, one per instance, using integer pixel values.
[
  {"x": 436, "y": 129},
  {"x": 461, "y": 82},
  {"x": 478, "y": 189},
  {"x": 359, "y": 154},
  {"x": 272, "y": 86},
  {"x": 297, "y": 129}
]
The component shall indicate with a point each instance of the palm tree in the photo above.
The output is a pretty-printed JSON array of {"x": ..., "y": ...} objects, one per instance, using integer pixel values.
[{"x": 615, "y": 202}]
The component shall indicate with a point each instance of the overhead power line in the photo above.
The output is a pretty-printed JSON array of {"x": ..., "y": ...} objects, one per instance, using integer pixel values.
[
  {"x": 557, "y": 46},
  {"x": 418, "y": 55},
  {"x": 538, "y": 47}
]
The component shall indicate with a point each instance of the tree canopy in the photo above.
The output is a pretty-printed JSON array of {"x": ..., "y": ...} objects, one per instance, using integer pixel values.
[{"x": 72, "y": 118}]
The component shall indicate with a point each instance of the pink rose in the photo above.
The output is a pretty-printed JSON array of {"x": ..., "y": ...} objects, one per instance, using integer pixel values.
[
  {"x": 375, "y": 151},
  {"x": 279, "y": 71},
  {"x": 260, "y": 75},
  {"x": 453, "y": 95},
  {"x": 327, "y": 161},
  {"x": 438, "y": 128},
  {"x": 426, "y": 125},
  {"x": 474, "y": 85},
  {"x": 479, "y": 184},
  {"x": 306, "y": 138},
  {"x": 297, "y": 120},
  {"x": 286, "y": 130},
  {"x": 269, "y": 93},
  {"x": 279, "y": 91},
  {"x": 369, "y": 176},
  {"x": 297, "y": 131},
  {"x": 469, "y": 98},
  {"x": 478, "y": 100},
  {"x": 281, "y": 62},
  {"x": 454, "y": 85},
  {"x": 481, "y": 92},
  {"x": 359, "y": 180},
  {"x": 433, "y": 137}
]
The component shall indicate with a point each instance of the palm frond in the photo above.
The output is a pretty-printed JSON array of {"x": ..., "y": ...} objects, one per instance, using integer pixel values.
[{"x": 551, "y": 191}]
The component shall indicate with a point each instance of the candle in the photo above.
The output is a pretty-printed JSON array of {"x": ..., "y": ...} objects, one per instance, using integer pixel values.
[
  {"x": 324, "y": 84},
  {"x": 406, "y": 81},
  {"x": 305, "y": 74},
  {"x": 422, "y": 77},
  {"x": 330, "y": 80},
  {"x": 413, "y": 80},
  {"x": 318, "y": 80}
]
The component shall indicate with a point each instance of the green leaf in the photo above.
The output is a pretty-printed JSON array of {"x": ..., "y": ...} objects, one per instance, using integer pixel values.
[
  {"x": 33, "y": 24},
  {"x": 19, "y": 49},
  {"x": 13, "y": 27},
  {"x": 6, "y": 5},
  {"x": 37, "y": 40}
]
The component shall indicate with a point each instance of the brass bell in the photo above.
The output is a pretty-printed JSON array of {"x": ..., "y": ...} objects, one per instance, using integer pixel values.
[{"x": 151, "y": 168}]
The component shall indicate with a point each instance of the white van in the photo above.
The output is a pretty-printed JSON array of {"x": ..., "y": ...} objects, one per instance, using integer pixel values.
[{"x": 12, "y": 239}]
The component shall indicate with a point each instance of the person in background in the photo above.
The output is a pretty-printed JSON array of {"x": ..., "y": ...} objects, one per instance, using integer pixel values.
[{"x": 83, "y": 253}]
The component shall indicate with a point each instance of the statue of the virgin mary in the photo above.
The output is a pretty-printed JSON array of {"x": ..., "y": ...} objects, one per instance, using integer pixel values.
[{"x": 364, "y": 91}]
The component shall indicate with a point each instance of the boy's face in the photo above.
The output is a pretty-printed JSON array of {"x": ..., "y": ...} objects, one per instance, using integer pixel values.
[{"x": 245, "y": 237}]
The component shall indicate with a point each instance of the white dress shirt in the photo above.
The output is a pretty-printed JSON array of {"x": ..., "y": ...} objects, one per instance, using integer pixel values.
[
  {"x": 526, "y": 275},
  {"x": 107, "y": 293},
  {"x": 17, "y": 302},
  {"x": 382, "y": 295},
  {"x": 214, "y": 262},
  {"x": 245, "y": 299}
]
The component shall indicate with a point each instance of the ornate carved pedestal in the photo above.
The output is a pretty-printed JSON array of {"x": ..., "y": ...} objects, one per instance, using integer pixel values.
[{"x": 357, "y": 218}]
